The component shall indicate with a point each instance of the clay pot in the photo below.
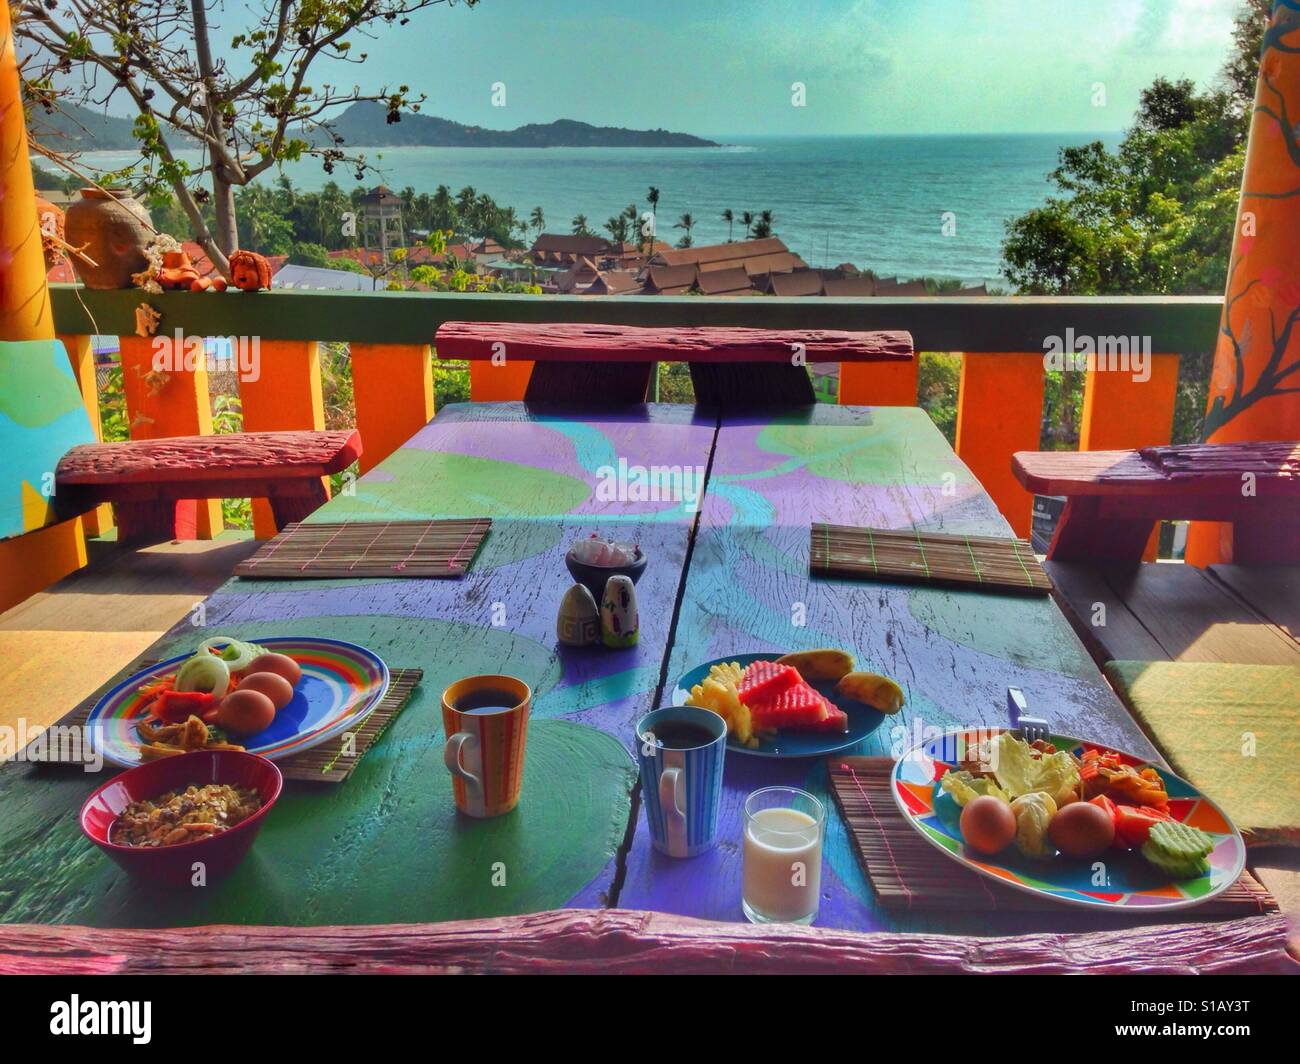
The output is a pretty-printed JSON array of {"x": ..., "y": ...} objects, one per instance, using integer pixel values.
[{"x": 115, "y": 231}]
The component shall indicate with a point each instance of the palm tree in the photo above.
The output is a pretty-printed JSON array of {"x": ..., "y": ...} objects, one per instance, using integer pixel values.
[
  {"x": 763, "y": 228},
  {"x": 538, "y": 220},
  {"x": 442, "y": 210},
  {"x": 580, "y": 226},
  {"x": 617, "y": 228},
  {"x": 652, "y": 198},
  {"x": 729, "y": 216},
  {"x": 687, "y": 222},
  {"x": 747, "y": 220}
]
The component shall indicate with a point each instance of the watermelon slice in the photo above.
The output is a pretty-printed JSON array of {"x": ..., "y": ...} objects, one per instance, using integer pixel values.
[
  {"x": 764, "y": 680},
  {"x": 797, "y": 707},
  {"x": 836, "y": 720}
]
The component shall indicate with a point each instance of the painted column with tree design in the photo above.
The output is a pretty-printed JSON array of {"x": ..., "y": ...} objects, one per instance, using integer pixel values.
[{"x": 1255, "y": 381}]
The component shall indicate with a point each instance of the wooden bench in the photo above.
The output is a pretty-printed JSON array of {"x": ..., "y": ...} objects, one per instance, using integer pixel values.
[
  {"x": 611, "y": 364},
  {"x": 149, "y": 482},
  {"x": 1113, "y": 498}
]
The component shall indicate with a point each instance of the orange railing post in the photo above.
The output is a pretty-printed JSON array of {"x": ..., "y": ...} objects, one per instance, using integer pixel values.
[
  {"x": 286, "y": 394},
  {"x": 170, "y": 401},
  {"x": 879, "y": 383},
  {"x": 999, "y": 412},
  {"x": 1121, "y": 412},
  {"x": 493, "y": 383},
  {"x": 392, "y": 387}
]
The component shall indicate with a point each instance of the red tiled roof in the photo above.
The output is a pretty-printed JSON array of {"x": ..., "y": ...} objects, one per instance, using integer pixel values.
[
  {"x": 721, "y": 256},
  {"x": 849, "y": 286},
  {"x": 565, "y": 244},
  {"x": 613, "y": 283},
  {"x": 798, "y": 283},
  {"x": 669, "y": 279},
  {"x": 732, "y": 281}
]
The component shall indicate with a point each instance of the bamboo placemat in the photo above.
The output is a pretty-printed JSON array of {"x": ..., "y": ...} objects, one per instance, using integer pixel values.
[
  {"x": 441, "y": 549},
  {"x": 986, "y": 562},
  {"x": 330, "y": 762},
  {"x": 906, "y": 872}
]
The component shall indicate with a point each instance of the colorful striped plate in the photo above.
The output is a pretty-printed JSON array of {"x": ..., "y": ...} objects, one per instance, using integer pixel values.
[
  {"x": 341, "y": 683},
  {"x": 1118, "y": 879}
]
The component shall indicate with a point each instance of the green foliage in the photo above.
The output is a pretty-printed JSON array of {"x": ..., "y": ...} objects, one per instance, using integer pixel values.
[
  {"x": 1155, "y": 215},
  {"x": 938, "y": 376}
]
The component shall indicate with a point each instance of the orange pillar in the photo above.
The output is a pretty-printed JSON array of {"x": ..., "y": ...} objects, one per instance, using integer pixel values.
[
  {"x": 171, "y": 402},
  {"x": 28, "y": 562},
  {"x": 1120, "y": 412},
  {"x": 879, "y": 383},
  {"x": 285, "y": 395},
  {"x": 1255, "y": 383},
  {"x": 24, "y": 297},
  {"x": 999, "y": 412},
  {"x": 490, "y": 382},
  {"x": 392, "y": 387}
]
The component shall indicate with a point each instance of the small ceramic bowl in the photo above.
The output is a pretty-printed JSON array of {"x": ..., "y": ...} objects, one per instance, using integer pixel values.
[
  {"x": 174, "y": 865},
  {"x": 594, "y": 577}
]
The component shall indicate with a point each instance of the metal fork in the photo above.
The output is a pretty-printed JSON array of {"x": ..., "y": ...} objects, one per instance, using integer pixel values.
[{"x": 1031, "y": 728}]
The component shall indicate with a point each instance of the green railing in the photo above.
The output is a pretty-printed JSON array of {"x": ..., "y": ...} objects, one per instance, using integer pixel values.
[{"x": 1001, "y": 339}]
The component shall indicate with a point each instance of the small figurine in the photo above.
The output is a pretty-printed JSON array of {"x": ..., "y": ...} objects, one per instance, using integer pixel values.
[
  {"x": 578, "y": 622},
  {"x": 619, "y": 624},
  {"x": 249, "y": 271}
]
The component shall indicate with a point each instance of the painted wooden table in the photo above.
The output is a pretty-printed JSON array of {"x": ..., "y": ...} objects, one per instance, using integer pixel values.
[{"x": 387, "y": 847}]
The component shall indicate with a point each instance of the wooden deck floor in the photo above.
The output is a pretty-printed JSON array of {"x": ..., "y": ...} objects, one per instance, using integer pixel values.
[
  {"x": 62, "y": 643},
  {"x": 1174, "y": 612}
]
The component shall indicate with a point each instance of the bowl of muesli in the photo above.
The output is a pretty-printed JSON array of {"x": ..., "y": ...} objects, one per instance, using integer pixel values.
[{"x": 183, "y": 820}]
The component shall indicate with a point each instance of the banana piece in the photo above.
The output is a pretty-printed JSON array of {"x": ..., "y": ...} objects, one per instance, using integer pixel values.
[
  {"x": 879, "y": 692},
  {"x": 819, "y": 665}
]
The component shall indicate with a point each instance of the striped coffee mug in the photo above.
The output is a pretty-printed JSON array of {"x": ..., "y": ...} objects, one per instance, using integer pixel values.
[
  {"x": 486, "y": 722},
  {"x": 680, "y": 750}
]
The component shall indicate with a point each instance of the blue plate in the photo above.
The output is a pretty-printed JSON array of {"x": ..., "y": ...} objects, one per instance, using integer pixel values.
[{"x": 863, "y": 719}]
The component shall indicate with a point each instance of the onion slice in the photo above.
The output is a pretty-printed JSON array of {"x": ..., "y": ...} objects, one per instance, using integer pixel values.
[
  {"x": 204, "y": 672},
  {"x": 237, "y": 654}
]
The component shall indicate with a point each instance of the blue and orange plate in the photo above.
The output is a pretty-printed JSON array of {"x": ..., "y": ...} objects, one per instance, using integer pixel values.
[
  {"x": 1119, "y": 880},
  {"x": 863, "y": 719},
  {"x": 341, "y": 683}
]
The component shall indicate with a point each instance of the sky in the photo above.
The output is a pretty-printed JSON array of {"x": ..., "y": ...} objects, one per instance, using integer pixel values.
[
  {"x": 728, "y": 67},
  {"x": 717, "y": 67}
]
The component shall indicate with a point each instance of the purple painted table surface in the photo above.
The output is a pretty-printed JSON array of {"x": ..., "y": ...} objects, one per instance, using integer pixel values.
[{"x": 954, "y": 652}]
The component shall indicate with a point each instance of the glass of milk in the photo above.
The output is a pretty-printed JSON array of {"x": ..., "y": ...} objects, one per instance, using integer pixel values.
[{"x": 783, "y": 856}]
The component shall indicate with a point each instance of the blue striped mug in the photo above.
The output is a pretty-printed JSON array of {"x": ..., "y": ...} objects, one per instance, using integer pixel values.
[{"x": 680, "y": 750}]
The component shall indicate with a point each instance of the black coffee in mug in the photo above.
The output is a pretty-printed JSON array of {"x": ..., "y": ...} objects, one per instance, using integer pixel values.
[
  {"x": 681, "y": 735},
  {"x": 487, "y": 700}
]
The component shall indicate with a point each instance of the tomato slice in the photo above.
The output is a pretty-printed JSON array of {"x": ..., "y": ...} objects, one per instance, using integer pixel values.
[
  {"x": 1104, "y": 803},
  {"x": 1133, "y": 823},
  {"x": 176, "y": 707}
]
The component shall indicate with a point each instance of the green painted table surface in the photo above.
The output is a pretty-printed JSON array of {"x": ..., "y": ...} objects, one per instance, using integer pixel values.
[{"x": 386, "y": 846}]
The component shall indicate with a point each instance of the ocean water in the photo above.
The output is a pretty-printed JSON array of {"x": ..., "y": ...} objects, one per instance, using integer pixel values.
[{"x": 877, "y": 201}]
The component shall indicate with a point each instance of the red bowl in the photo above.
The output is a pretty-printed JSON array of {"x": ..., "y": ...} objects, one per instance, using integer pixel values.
[{"x": 174, "y": 865}]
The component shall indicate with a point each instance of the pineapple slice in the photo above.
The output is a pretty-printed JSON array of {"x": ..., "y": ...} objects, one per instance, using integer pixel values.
[{"x": 718, "y": 694}]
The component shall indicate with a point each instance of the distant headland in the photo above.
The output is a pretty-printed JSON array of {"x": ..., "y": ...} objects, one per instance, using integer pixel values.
[{"x": 366, "y": 125}]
